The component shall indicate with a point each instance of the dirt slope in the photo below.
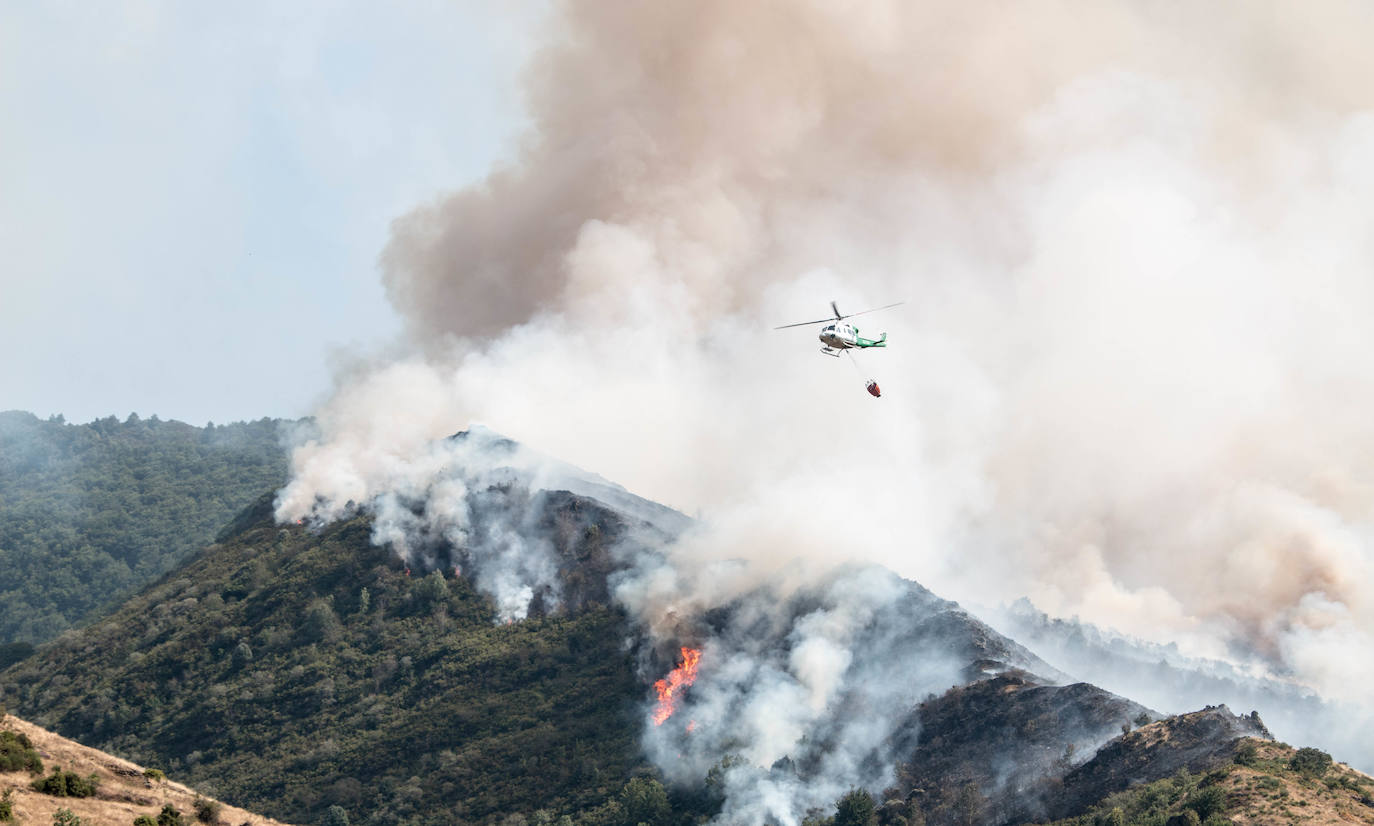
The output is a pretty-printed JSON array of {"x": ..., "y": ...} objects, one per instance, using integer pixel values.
[
  {"x": 124, "y": 793},
  {"x": 1268, "y": 794}
]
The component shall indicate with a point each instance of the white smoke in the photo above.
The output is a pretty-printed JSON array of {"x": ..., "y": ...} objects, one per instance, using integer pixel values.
[
  {"x": 1165, "y": 679},
  {"x": 463, "y": 502},
  {"x": 1133, "y": 376},
  {"x": 798, "y": 698}
]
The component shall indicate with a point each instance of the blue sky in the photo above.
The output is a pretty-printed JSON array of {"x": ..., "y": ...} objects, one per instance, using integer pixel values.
[{"x": 195, "y": 195}]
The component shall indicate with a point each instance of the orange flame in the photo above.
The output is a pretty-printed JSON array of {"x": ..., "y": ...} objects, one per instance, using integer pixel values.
[{"x": 679, "y": 678}]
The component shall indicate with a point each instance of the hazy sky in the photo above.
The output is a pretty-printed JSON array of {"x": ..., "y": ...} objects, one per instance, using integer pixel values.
[{"x": 195, "y": 195}]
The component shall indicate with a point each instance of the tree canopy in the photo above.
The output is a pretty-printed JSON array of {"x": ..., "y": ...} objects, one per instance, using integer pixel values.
[{"x": 89, "y": 513}]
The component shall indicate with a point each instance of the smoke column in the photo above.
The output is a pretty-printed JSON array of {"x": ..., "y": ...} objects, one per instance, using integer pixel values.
[{"x": 1133, "y": 376}]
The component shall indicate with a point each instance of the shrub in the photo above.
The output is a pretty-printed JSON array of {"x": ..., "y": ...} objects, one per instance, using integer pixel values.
[
  {"x": 154, "y": 775},
  {"x": 645, "y": 801},
  {"x": 337, "y": 816},
  {"x": 65, "y": 817},
  {"x": 1187, "y": 817},
  {"x": 144, "y": 820},
  {"x": 320, "y": 623},
  {"x": 18, "y": 754},
  {"x": 1247, "y": 753},
  {"x": 433, "y": 589},
  {"x": 1207, "y": 802},
  {"x": 1310, "y": 761},
  {"x": 243, "y": 654},
  {"x": 207, "y": 811},
  {"x": 7, "y": 806},
  {"x": 854, "y": 809},
  {"x": 170, "y": 816},
  {"x": 66, "y": 784}
]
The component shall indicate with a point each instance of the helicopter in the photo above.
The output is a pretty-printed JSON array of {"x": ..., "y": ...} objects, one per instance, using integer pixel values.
[{"x": 839, "y": 335}]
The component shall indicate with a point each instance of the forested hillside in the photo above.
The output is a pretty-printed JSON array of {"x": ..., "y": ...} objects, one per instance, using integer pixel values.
[
  {"x": 290, "y": 671},
  {"x": 89, "y": 513},
  {"x": 305, "y": 672}
]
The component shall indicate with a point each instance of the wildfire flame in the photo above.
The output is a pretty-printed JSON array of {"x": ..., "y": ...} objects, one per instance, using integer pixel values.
[{"x": 677, "y": 679}]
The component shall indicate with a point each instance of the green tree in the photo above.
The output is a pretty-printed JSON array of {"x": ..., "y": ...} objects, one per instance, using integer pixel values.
[
  {"x": 170, "y": 816},
  {"x": 1187, "y": 817},
  {"x": 898, "y": 812},
  {"x": 18, "y": 754},
  {"x": 855, "y": 809},
  {"x": 644, "y": 800},
  {"x": 433, "y": 589},
  {"x": 321, "y": 624},
  {"x": 1310, "y": 761},
  {"x": 66, "y": 784},
  {"x": 243, "y": 654},
  {"x": 1247, "y": 753},
  {"x": 207, "y": 811},
  {"x": 336, "y": 816}
]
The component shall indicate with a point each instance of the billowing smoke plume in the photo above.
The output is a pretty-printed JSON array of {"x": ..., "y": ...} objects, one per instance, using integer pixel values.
[
  {"x": 798, "y": 700},
  {"x": 1133, "y": 377}
]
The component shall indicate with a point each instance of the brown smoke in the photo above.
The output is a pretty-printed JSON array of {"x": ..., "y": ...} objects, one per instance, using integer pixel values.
[{"x": 1134, "y": 374}]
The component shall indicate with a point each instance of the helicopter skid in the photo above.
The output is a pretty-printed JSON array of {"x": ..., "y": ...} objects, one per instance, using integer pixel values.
[{"x": 830, "y": 351}]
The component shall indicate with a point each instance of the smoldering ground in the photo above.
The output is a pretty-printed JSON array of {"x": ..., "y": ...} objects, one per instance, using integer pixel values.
[{"x": 1133, "y": 374}]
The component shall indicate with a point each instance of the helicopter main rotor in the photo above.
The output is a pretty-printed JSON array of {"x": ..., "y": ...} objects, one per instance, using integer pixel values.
[{"x": 838, "y": 315}]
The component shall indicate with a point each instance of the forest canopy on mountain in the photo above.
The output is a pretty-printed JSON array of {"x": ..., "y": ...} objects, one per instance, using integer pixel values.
[{"x": 91, "y": 512}]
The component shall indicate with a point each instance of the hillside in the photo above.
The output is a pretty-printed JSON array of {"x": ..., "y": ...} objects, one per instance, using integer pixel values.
[
  {"x": 1264, "y": 783},
  {"x": 288, "y": 671},
  {"x": 91, "y": 512},
  {"x": 1163, "y": 678},
  {"x": 123, "y": 793},
  {"x": 295, "y": 668},
  {"x": 1006, "y": 742}
]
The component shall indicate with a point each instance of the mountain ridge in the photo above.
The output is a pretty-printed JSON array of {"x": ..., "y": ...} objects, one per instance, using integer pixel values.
[{"x": 302, "y": 666}]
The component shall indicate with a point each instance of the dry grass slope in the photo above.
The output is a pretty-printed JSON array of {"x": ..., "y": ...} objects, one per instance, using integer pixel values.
[
  {"x": 124, "y": 792},
  {"x": 1267, "y": 795}
]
